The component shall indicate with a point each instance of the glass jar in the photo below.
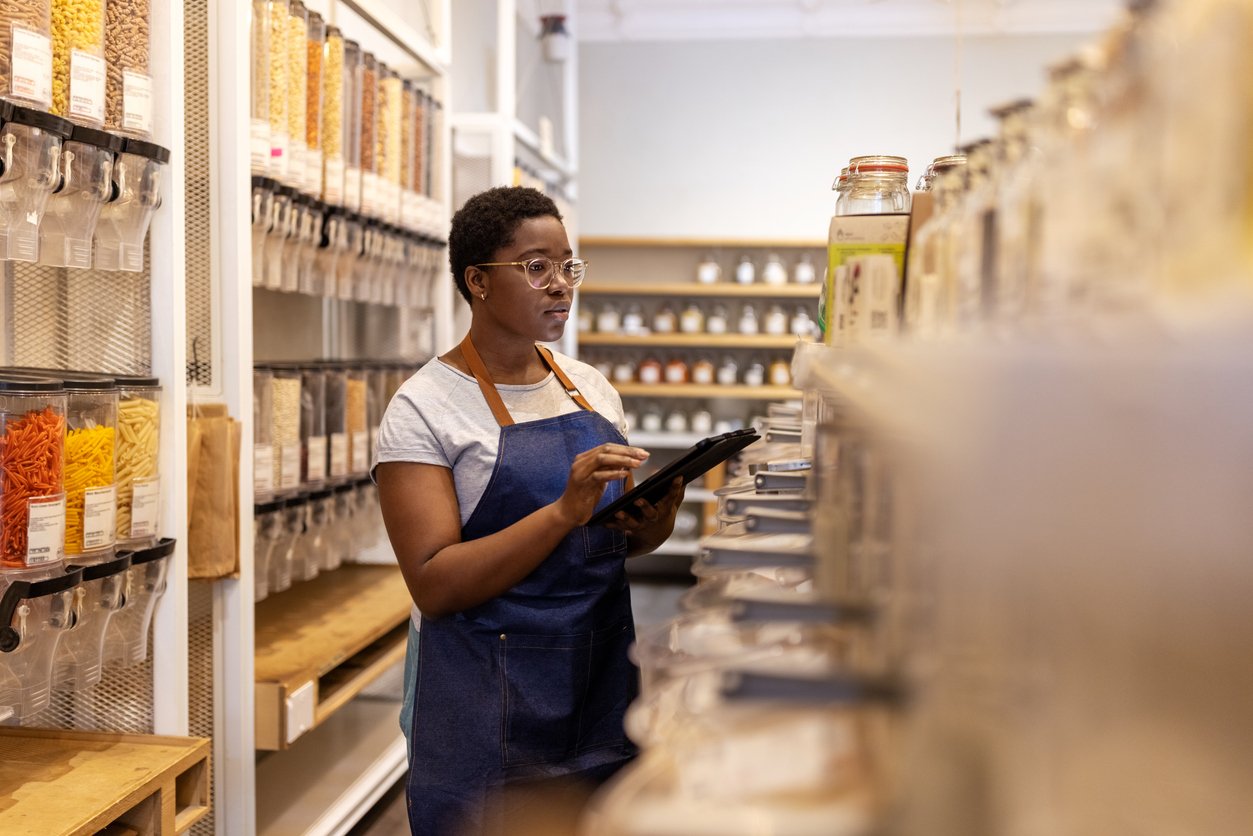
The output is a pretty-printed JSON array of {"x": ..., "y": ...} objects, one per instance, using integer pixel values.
[
  {"x": 78, "y": 68},
  {"x": 728, "y": 371},
  {"x": 312, "y": 427},
  {"x": 31, "y": 142},
  {"x": 650, "y": 370},
  {"x": 748, "y": 324},
  {"x": 369, "y": 132},
  {"x": 279, "y": 99},
  {"x": 676, "y": 370},
  {"x": 702, "y": 422},
  {"x": 878, "y": 185},
  {"x": 717, "y": 321},
  {"x": 128, "y": 79},
  {"x": 608, "y": 320},
  {"x": 676, "y": 422},
  {"x": 780, "y": 372},
  {"x": 26, "y": 28},
  {"x": 703, "y": 371},
  {"x": 692, "y": 320},
  {"x": 931, "y": 269},
  {"x": 69, "y": 220},
  {"x": 650, "y": 420},
  {"x": 624, "y": 370},
  {"x": 664, "y": 320},
  {"x": 285, "y": 400},
  {"x": 264, "y": 466},
  {"x": 138, "y": 461},
  {"x": 32, "y": 476},
  {"x": 268, "y": 530},
  {"x": 802, "y": 325},
  {"x": 354, "y": 69},
  {"x": 745, "y": 272},
  {"x": 776, "y": 321},
  {"x": 356, "y": 412},
  {"x": 773, "y": 272},
  {"x": 633, "y": 320},
  {"x": 332, "y": 131},
  {"x": 259, "y": 89},
  {"x": 708, "y": 271},
  {"x": 804, "y": 272},
  {"x": 754, "y": 375},
  {"x": 315, "y": 49},
  {"x": 586, "y": 318}
]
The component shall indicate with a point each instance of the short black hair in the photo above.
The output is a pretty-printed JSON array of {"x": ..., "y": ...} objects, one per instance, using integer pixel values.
[{"x": 488, "y": 222}]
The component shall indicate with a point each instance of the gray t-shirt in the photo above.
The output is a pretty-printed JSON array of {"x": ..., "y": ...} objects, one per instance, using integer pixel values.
[{"x": 439, "y": 417}]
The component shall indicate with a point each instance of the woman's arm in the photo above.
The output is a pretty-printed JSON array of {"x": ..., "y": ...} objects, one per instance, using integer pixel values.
[{"x": 446, "y": 575}]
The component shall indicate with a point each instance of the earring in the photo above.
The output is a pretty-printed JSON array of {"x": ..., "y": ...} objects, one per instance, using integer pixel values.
[{"x": 483, "y": 296}]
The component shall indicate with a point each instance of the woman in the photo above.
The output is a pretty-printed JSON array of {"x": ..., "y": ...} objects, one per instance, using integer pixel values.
[{"x": 490, "y": 461}]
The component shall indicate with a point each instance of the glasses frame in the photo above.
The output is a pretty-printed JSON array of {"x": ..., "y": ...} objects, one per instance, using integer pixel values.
[{"x": 552, "y": 270}]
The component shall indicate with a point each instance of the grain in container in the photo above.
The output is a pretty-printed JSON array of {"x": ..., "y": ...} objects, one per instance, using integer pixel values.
[{"x": 128, "y": 78}]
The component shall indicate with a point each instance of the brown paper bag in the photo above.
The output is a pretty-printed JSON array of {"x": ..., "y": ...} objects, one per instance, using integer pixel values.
[{"x": 213, "y": 521}]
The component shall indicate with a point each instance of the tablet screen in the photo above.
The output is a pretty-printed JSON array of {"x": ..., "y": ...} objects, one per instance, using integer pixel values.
[{"x": 703, "y": 456}]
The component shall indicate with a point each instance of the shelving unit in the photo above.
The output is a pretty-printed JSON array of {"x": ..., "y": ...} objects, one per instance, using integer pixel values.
[
  {"x": 720, "y": 290},
  {"x": 63, "y": 782},
  {"x": 689, "y": 340},
  {"x": 710, "y": 390}
]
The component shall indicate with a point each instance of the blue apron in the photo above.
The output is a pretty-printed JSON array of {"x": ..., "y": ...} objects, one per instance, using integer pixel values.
[{"x": 532, "y": 684}]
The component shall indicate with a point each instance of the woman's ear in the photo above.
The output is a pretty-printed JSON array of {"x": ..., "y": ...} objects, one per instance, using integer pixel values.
[{"x": 476, "y": 281}]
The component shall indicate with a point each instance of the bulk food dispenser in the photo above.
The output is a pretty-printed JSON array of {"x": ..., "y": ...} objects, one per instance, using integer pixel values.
[
  {"x": 126, "y": 639},
  {"x": 262, "y": 224},
  {"x": 30, "y": 152},
  {"x": 84, "y": 186},
  {"x": 124, "y": 221}
]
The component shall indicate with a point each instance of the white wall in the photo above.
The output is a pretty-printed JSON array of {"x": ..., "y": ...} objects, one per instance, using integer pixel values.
[{"x": 743, "y": 138}]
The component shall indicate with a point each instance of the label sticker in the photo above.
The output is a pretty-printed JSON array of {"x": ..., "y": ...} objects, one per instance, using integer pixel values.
[
  {"x": 45, "y": 530},
  {"x": 317, "y": 458},
  {"x": 259, "y": 144},
  {"x": 136, "y": 102},
  {"x": 289, "y": 466},
  {"x": 86, "y": 85},
  {"x": 333, "y": 188},
  {"x": 262, "y": 469},
  {"x": 145, "y": 507},
  {"x": 313, "y": 172},
  {"x": 30, "y": 71},
  {"x": 360, "y": 452},
  {"x": 99, "y": 517},
  {"x": 339, "y": 454},
  {"x": 352, "y": 188}
]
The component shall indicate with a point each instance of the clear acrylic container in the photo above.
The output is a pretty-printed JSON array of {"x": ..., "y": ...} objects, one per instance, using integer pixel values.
[
  {"x": 37, "y": 606},
  {"x": 354, "y": 68},
  {"x": 128, "y": 80},
  {"x": 284, "y": 556},
  {"x": 356, "y": 420},
  {"x": 268, "y": 532},
  {"x": 289, "y": 281},
  {"x": 315, "y": 50},
  {"x": 313, "y": 427},
  {"x": 367, "y": 518},
  {"x": 332, "y": 247},
  {"x": 262, "y": 225},
  {"x": 391, "y": 110},
  {"x": 333, "y": 117},
  {"x": 318, "y": 549},
  {"x": 306, "y": 563},
  {"x": 86, "y": 184},
  {"x": 347, "y": 265},
  {"x": 259, "y": 100},
  {"x": 126, "y": 640},
  {"x": 282, "y": 223},
  {"x": 78, "y": 65},
  {"x": 285, "y": 385},
  {"x": 263, "y": 454},
  {"x": 28, "y": 26},
  {"x": 297, "y": 46},
  {"x": 79, "y": 660},
  {"x": 32, "y": 478},
  {"x": 408, "y": 192},
  {"x": 311, "y": 221},
  {"x": 90, "y": 466},
  {"x": 338, "y": 458},
  {"x": 30, "y": 153},
  {"x": 279, "y": 96},
  {"x": 138, "y": 461},
  {"x": 343, "y": 547},
  {"x": 369, "y": 133},
  {"x": 124, "y": 222}
]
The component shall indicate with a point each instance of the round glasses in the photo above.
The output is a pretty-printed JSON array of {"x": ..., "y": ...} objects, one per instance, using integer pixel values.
[{"x": 540, "y": 271}]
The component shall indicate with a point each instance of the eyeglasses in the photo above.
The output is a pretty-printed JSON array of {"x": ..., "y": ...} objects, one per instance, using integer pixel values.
[{"x": 540, "y": 271}]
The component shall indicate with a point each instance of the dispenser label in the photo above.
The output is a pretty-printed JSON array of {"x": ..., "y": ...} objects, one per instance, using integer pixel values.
[
  {"x": 317, "y": 458},
  {"x": 262, "y": 469},
  {"x": 278, "y": 155},
  {"x": 86, "y": 85},
  {"x": 339, "y": 454},
  {"x": 352, "y": 188},
  {"x": 259, "y": 145},
  {"x": 45, "y": 530},
  {"x": 99, "y": 517},
  {"x": 865, "y": 265},
  {"x": 145, "y": 507},
  {"x": 136, "y": 102},
  {"x": 333, "y": 188},
  {"x": 31, "y": 68},
  {"x": 289, "y": 466},
  {"x": 360, "y": 452},
  {"x": 313, "y": 172}
]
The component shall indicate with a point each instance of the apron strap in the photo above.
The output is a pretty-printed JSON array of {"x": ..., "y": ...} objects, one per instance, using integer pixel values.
[{"x": 488, "y": 386}]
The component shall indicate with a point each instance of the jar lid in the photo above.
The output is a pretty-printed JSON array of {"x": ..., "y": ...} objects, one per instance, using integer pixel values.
[
  {"x": 136, "y": 380},
  {"x": 29, "y": 384},
  {"x": 98, "y": 138},
  {"x": 878, "y": 164},
  {"x": 147, "y": 150},
  {"x": 314, "y": 17},
  {"x": 39, "y": 119},
  {"x": 349, "y": 43},
  {"x": 72, "y": 381},
  {"x": 333, "y": 32}
]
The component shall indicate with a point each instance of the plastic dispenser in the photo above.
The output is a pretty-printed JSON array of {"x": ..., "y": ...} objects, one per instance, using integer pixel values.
[
  {"x": 124, "y": 221},
  {"x": 30, "y": 152},
  {"x": 103, "y": 592},
  {"x": 262, "y": 224},
  {"x": 84, "y": 186},
  {"x": 36, "y": 607},
  {"x": 126, "y": 638},
  {"x": 269, "y": 534}
]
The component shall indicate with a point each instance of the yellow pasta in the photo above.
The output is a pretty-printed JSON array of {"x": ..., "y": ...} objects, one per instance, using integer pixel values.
[
  {"x": 89, "y": 457},
  {"x": 138, "y": 428}
]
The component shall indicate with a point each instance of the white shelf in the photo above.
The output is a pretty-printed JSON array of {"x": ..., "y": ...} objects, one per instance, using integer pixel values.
[
  {"x": 332, "y": 776},
  {"x": 699, "y": 495},
  {"x": 664, "y": 440},
  {"x": 530, "y": 139},
  {"x": 678, "y": 547}
]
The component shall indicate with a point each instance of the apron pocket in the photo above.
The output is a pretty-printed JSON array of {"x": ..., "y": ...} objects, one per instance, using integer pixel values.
[
  {"x": 543, "y": 679},
  {"x": 600, "y": 541},
  {"x": 613, "y": 682}
]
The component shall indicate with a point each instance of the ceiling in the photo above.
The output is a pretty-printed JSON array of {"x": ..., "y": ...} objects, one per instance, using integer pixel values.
[{"x": 623, "y": 20}]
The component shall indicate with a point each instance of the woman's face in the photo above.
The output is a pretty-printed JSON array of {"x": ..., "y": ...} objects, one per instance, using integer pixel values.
[{"x": 538, "y": 315}]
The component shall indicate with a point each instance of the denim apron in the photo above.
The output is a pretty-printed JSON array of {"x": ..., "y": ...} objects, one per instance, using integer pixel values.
[{"x": 534, "y": 683}]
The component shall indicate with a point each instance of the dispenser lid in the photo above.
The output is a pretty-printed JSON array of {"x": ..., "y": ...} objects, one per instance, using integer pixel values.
[
  {"x": 296, "y": 500},
  {"x": 39, "y": 119},
  {"x": 136, "y": 380},
  {"x": 147, "y": 150},
  {"x": 332, "y": 31},
  {"x": 105, "y": 568},
  {"x": 18, "y": 383},
  {"x": 70, "y": 381},
  {"x": 98, "y": 138},
  {"x": 164, "y": 548},
  {"x": 264, "y": 183},
  {"x": 344, "y": 488},
  {"x": 268, "y": 507}
]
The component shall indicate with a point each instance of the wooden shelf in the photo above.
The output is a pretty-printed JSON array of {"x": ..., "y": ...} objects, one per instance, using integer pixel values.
[
  {"x": 694, "y": 340},
  {"x": 332, "y": 776},
  {"x": 321, "y": 642},
  {"x": 711, "y": 390},
  {"x": 69, "y": 782},
  {"x": 689, "y": 289},
  {"x": 707, "y": 243}
]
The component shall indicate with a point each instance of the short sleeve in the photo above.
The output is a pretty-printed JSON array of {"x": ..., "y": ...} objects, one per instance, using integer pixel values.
[{"x": 406, "y": 435}]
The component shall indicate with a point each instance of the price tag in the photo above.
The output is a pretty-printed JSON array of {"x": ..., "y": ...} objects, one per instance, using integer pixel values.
[
  {"x": 316, "y": 465},
  {"x": 289, "y": 466},
  {"x": 136, "y": 102},
  {"x": 86, "y": 85},
  {"x": 313, "y": 172},
  {"x": 30, "y": 71},
  {"x": 339, "y": 454},
  {"x": 99, "y": 517},
  {"x": 278, "y": 155},
  {"x": 45, "y": 530},
  {"x": 360, "y": 452},
  {"x": 262, "y": 469},
  {"x": 145, "y": 507}
]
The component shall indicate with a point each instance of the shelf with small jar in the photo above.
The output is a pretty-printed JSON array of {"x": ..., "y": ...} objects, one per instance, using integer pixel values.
[
  {"x": 712, "y": 390},
  {"x": 718, "y": 289},
  {"x": 695, "y": 340}
]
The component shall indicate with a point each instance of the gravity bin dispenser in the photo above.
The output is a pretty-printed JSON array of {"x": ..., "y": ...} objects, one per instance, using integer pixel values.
[
  {"x": 124, "y": 221},
  {"x": 126, "y": 636},
  {"x": 30, "y": 151},
  {"x": 84, "y": 186},
  {"x": 37, "y": 606}
]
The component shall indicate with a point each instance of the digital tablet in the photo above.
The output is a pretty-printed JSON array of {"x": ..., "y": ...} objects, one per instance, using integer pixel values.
[{"x": 705, "y": 455}]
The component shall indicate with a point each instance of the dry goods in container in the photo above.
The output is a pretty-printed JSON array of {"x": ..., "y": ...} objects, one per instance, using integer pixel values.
[
  {"x": 128, "y": 93},
  {"x": 138, "y": 445},
  {"x": 32, "y": 447},
  {"x": 78, "y": 66},
  {"x": 26, "y": 52}
]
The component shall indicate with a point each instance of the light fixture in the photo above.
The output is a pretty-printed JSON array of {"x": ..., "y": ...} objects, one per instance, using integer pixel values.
[{"x": 555, "y": 38}]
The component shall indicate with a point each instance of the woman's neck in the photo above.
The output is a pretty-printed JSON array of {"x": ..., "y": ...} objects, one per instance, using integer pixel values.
[{"x": 509, "y": 358}]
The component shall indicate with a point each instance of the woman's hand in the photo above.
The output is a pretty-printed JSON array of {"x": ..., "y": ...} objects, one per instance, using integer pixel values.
[
  {"x": 651, "y": 525},
  {"x": 590, "y": 473}
]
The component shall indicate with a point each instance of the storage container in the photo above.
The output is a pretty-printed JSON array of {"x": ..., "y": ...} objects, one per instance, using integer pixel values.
[
  {"x": 333, "y": 117},
  {"x": 878, "y": 185},
  {"x": 90, "y": 465},
  {"x": 26, "y": 31},
  {"x": 367, "y": 518},
  {"x": 262, "y": 225},
  {"x": 313, "y": 427},
  {"x": 306, "y": 562},
  {"x": 124, "y": 222},
  {"x": 333, "y": 535},
  {"x": 283, "y": 557},
  {"x": 319, "y": 534},
  {"x": 337, "y": 420},
  {"x": 29, "y": 171},
  {"x": 138, "y": 461},
  {"x": 268, "y": 530},
  {"x": 315, "y": 48},
  {"x": 263, "y": 465},
  {"x": 78, "y": 66},
  {"x": 126, "y": 640},
  {"x": 285, "y": 386},
  {"x": 36, "y": 608},
  {"x": 259, "y": 100},
  {"x": 343, "y": 547},
  {"x": 356, "y": 420},
  {"x": 296, "y": 44},
  {"x": 86, "y": 184},
  {"x": 391, "y": 108},
  {"x": 282, "y": 223},
  {"x": 369, "y": 133},
  {"x": 127, "y": 43},
  {"x": 279, "y": 95},
  {"x": 354, "y": 69},
  {"x": 79, "y": 661},
  {"x": 32, "y": 476}
]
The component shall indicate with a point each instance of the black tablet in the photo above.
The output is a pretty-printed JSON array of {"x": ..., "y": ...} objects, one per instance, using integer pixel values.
[{"x": 705, "y": 455}]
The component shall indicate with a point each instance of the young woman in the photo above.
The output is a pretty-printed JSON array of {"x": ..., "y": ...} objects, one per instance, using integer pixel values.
[{"x": 491, "y": 460}]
